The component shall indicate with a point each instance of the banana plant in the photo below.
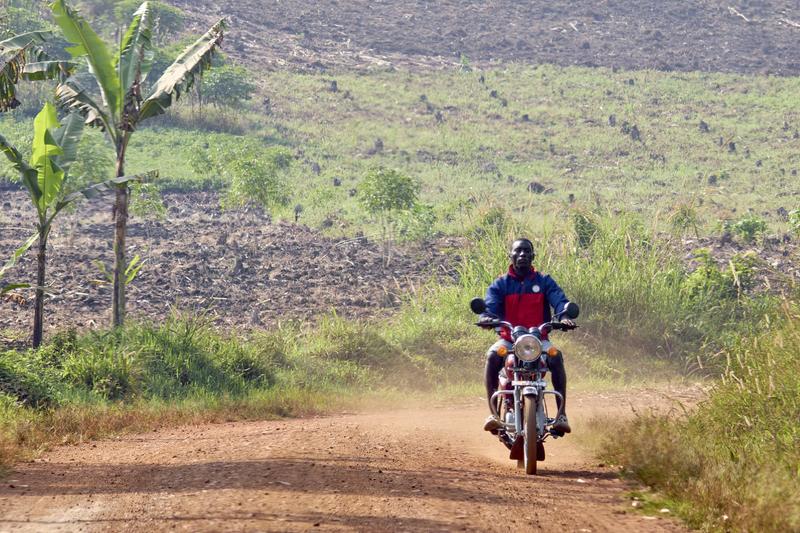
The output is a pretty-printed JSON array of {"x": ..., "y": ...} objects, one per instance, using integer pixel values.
[
  {"x": 120, "y": 75},
  {"x": 22, "y": 57},
  {"x": 53, "y": 151}
]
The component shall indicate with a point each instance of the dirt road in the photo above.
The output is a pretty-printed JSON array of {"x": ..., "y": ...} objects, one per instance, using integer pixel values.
[{"x": 407, "y": 470}]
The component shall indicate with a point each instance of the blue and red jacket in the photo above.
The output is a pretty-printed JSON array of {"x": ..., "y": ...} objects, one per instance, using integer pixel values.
[{"x": 524, "y": 301}]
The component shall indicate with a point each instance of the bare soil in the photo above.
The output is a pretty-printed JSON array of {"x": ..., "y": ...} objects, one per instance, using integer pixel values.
[
  {"x": 236, "y": 268},
  {"x": 429, "y": 469},
  {"x": 742, "y": 36}
]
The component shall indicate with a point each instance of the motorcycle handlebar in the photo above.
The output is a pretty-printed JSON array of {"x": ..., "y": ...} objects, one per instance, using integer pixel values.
[{"x": 544, "y": 328}]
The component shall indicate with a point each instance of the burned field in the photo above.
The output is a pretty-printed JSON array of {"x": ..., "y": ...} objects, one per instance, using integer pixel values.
[
  {"x": 233, "y": 267},
  {"x": 741, "y": 37}
]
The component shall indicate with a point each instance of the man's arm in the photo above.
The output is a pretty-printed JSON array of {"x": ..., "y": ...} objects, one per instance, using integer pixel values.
[
  {"x": 495, "y": 298},
  {"x": 555, "y": 296}
]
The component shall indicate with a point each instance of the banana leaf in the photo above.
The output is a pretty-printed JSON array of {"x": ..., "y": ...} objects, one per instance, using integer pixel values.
[
  {"x": 48, "y": 70},
  {"x": 29, "y": 175},
  {"x": 23, "y": 40},
  {"x": 104, "y": 186},
  {"x": 67, "y": 137},
  {"x": 45, "y": 150},
  {"x": 70, "y": 95},
  {"x": 87, "y": 43},
  {"x": 181, "y": 75},
  {"x": 136, "y": 50},
  {"x": 19, "y": 252}
]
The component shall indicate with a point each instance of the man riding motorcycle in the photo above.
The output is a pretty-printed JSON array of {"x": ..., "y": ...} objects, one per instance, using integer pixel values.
[{"x": 523, "y": 297}]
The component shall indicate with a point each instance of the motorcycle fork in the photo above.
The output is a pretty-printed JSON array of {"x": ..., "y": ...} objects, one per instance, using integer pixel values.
[{"x": 517, "y": 409}]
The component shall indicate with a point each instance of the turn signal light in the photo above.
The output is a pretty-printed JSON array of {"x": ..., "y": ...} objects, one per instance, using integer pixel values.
[
  {"x": 502, "y": 351},
  {"x": 552, "y": 351}
]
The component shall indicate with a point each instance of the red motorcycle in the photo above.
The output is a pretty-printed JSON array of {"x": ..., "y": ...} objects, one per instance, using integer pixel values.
[{"x": 519, "y": 403}]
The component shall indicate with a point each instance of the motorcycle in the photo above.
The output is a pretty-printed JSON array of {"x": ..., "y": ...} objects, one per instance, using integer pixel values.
[{"x": 519, "y": 402}]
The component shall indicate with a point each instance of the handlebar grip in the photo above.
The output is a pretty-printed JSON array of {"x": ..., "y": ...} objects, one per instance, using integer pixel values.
[{"x": 562, "y": 326}]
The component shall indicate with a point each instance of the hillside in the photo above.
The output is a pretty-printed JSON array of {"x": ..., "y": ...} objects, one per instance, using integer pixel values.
[{"x": 747, "y": 36}]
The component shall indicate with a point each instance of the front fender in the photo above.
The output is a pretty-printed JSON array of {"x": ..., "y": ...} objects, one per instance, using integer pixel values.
[{"x": 530, "y": 391}]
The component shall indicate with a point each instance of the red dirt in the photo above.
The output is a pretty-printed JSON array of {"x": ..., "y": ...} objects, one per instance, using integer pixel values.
[{"x": 430, "y": 469}]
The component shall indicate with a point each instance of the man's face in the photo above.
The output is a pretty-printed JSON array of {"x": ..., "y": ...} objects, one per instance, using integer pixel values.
[{"x": 521, "y": 255}]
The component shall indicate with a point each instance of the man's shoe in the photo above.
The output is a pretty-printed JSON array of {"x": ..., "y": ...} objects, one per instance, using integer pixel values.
[
  {"x": 492, "y": 424},
  {"x": 562, "y": 424}
]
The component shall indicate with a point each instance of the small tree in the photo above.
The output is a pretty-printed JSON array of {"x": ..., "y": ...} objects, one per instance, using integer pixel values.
[
  {"x": 385, "y": 192},
  {"x": 53, "y": 152},
  {"x": 120, "y": 76},
  {"x": 228, "y": 85}
]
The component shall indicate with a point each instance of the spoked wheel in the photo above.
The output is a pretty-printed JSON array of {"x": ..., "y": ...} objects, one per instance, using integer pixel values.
[{"x": 531, "y": 436}]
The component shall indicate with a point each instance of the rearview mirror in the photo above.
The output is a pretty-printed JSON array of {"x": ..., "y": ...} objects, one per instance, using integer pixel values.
[
  {"x": 571, "y": 310},
  {"x": 478, "y": 305}
]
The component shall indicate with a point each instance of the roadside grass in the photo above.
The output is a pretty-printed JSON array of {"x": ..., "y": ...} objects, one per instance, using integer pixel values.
[{"x": 731, "y": 464}]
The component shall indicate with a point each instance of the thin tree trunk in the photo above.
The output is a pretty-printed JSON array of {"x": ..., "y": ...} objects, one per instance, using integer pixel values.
[
  {"x": 120, "y": 229},
  {"x": 38, "y": 310}
]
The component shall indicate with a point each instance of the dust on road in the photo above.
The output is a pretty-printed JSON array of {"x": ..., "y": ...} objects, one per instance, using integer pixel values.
[{"x": 430, "y": 469}]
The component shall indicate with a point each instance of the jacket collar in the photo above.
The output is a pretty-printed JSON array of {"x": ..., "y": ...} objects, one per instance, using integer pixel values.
[{"x": 514, "y": 275}]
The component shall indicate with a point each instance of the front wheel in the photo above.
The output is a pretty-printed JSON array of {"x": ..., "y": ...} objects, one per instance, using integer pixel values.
[{"x": 531, "y": 435}]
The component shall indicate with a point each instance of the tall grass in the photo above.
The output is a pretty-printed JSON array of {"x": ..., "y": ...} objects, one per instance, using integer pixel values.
[
  {"x": 734, "y": 463},
  {"x": 631, "y": 284}
]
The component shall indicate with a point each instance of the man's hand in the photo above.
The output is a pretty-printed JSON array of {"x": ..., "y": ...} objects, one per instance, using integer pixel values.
[
  {"x": 567, "y": 321},
  {"x": 489, "y": 320}
]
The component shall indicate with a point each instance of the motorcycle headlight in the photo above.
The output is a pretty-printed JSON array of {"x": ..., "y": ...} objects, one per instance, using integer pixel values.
[{"x": 528, "y": 348}]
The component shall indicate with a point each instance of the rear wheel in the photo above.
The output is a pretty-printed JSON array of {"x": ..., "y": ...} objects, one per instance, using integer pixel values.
[{"x": 531, "y": 436}]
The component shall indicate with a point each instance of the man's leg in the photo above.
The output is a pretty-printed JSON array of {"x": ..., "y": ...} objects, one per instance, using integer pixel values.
[
  {"x": 494, "y": 363},
  {"x": 559, "y": 377}
]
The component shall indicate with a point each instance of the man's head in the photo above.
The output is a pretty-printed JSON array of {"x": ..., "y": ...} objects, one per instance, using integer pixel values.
[{"x": 522, "y": 255}]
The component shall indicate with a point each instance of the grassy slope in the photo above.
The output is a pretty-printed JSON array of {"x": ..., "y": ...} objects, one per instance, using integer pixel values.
[{"x": 567, "y": 144}]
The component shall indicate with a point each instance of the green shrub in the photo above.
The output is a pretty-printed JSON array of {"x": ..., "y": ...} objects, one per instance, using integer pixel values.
[
  {"x": 105, "y": 370},
  {"x": 708, "y": 285},
  {"x": 146, "y": 201},
  {"x": 586, "y": 227},
  {"x": 258, "y": 178},
  {"x": 794, "y": 220},
  {"x": 251, "y": 365},
  {"x": 749, "y": 228},
  {"x": 23, "y": 379},
  {"x": 228, "y": 85},
  {"x": 417, "y": 223},
  {"x": 684, "y": 218},
  {"x": 339, "y": 338},
  {"x": 385, "y": 190},
  {"x": 254, "y": 173},
  {"x": 492, "y": 220},
  {"x": 94, "y": 163}
]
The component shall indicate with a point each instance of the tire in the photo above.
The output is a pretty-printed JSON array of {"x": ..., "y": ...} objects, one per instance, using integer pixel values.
[{"x": 531, "y": 435}]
